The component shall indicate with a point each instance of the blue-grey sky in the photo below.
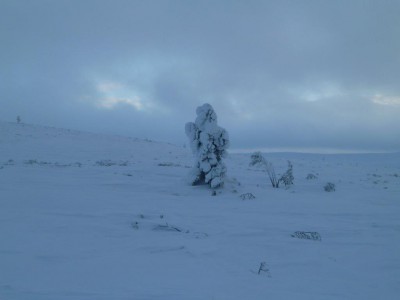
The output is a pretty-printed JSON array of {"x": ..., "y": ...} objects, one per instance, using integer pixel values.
[{"x": 280, "y": 74}]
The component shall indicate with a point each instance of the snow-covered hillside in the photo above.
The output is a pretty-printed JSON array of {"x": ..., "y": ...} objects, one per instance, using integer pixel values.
[{"x": 88, "y": 216}]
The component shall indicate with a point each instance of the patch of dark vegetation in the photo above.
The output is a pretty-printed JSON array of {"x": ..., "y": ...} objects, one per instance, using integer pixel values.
[
  {"x": 110, "y": 163},
  {"x": 311, "y": 176},
  {"x": 166, "y": 227},
  {"x": 247, "y": 196},
  {"x": 168, "y": 164},
  {"x": 9, "y": 162},
  {"x": 155, "y": 224},
  {"x": 330, "y": 187},
  {"x": 54, "y": 164},
  {"x": 307, "y": 235},
  {"x": 264, "y": 269}
]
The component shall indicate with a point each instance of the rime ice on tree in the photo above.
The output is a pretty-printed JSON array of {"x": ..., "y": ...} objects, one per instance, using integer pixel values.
[{"x": 208, "y": 142}]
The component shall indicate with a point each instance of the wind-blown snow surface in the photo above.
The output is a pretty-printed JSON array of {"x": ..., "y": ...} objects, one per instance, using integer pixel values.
[{"x": 85, "y": 216}]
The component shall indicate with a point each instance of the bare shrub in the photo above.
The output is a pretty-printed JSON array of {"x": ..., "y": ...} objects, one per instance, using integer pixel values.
[
  {"x": 330, "y": 187},
  {"x": 311, "y": 235},
  {"x": 287, "y": 178},
  {"x": 311, "y": 176},
  {"x": 247, "y": 196}
]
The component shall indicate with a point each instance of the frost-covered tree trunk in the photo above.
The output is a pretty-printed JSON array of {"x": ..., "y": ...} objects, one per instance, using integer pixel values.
[{"x": 208, "y": 142}]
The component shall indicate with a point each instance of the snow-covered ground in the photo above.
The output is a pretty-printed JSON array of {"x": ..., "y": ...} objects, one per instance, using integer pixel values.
[{"x": 87, "y": 216}]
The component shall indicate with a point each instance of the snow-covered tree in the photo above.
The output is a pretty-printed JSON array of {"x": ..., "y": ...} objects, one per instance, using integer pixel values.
[{"x": 209, "y": 143}]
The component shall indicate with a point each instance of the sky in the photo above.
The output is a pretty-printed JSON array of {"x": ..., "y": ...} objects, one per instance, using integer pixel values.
[{"x": 286, "y": 75}]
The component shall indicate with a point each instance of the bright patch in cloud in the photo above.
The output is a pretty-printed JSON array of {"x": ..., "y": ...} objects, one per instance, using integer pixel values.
[
  {"x": 316, "y": 92},
  {"x": 113, "y": 94},
  {"x": 107, "y": 87},
  {"x": 384, "y": 100},
  {"x": 111, "y": 102},
  {"x": 323, "y": 92},
  {"x": 240, "y": 109}
]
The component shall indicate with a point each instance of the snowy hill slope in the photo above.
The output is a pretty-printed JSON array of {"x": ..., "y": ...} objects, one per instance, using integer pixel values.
[{"x": 87, "y": 216}]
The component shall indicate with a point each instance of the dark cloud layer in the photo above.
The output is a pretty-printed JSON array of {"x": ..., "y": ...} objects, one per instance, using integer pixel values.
[{"x": 292, "y": 74}]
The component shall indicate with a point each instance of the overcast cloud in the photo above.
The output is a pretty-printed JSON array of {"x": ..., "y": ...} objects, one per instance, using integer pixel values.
[{"x": 280, "y": 74}]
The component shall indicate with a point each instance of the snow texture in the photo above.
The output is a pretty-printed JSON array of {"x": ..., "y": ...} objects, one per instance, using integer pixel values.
[
  {"x": 209, "y": 143},
  {"x": 73, "y": 229}
]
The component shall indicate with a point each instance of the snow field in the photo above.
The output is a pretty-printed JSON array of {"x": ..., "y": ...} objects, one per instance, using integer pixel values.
[{"x": 86, "y": 216}]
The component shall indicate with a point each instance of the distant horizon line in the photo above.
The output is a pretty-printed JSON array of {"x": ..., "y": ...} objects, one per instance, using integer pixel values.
[
  {"x": 300, "y": 150},
  {"x": 310, "y": 150}
]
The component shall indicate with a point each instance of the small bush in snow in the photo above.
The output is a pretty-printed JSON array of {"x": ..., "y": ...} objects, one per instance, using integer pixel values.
[
  {"x": 329, "y": 187},
  {"x": 263, "y": 268},
  {"x": 166, "y": 227},
  {"x": 247, "y": 196},
  {"x": 287, "y": 178},
  {"x": 311, "y": 176},
  {"x": 31, "y": 162},
  {"x": 36, "y": 162},
  {"x": 258, "y": 160},
  {"x": 307, "y": 235},
  {"x": 208, "y": 142},
  {"x": 168, "y": 164},
  {"x": 10, "y": 162},
  {"x": 109, "y": 163},
  {"x": 135, "y": 225}
]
